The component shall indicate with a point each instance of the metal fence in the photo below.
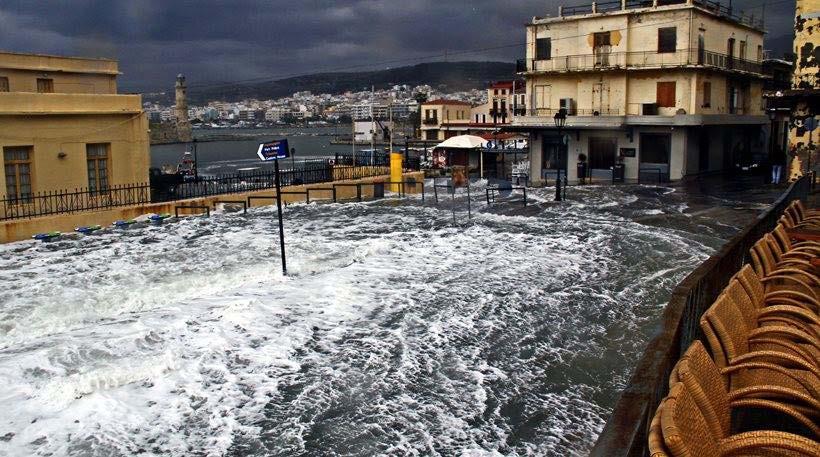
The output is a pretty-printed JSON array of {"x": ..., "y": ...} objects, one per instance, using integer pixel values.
[
  {"x": 625, "y": 433},
  {"x": 344, "y": 167},
  {"x": 638, "y": 59}
]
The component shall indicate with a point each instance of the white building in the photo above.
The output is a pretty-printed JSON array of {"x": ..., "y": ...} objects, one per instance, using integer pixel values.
[{"x": 667, "y": 89}]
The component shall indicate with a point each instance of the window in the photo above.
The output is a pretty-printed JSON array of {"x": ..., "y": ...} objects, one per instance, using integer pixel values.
[
  {"x": 601, "y": 39},
  {"x": 45, "y": 85},
  {"x": 4, "y": 84},
  {"x": 741, "y": 53},
  {"x": 760, "y": 53},
  {"x": 543, "y": 49},
  {"x": 97, "y": 158},
  {"x": 707, "y": 94},
  {"x": 602, "y": 48},
  {"x": 666, "y": 94},
  {"x": 667, "y": 39},
  {"x": 17, "y": 164}
]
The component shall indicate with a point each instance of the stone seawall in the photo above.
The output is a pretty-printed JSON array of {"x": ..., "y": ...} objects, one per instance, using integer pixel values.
[{"x": 22, "y": 229}]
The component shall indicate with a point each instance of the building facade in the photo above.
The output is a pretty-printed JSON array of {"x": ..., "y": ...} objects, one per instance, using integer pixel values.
[
  {"x": 505, "y": 99},
  {"x": 442, "y": 119},
  {"x": 666, "y": 89},
  {"x": 63, "y": 126},
  {"x": 804, "y": 96}
]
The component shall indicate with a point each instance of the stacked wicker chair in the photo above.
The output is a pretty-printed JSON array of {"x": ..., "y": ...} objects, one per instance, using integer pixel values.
[{"x": 763, "y": 332}]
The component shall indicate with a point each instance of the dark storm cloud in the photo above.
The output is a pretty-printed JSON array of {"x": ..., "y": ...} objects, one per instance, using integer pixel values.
[{"x": 214, "y": 40}]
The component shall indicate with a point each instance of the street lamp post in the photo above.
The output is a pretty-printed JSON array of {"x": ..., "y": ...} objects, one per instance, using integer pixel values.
[
  {"x": 560, "y": 119},
  {"x": 196, "y": 162}
]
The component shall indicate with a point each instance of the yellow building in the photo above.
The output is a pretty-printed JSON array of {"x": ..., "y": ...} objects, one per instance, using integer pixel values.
[
  {"x": 668, "y": 88},
  {"x": 63, "y": 126},
  {"x": 805, "y": 93},
  {"x": 442, "y": 119}
]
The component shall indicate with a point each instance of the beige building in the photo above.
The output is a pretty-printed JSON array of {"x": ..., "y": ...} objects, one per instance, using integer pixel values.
[
  {"x": 505, "y": 99},
  {"x": 442, "y": 119},
  {"x": 667, "y": 88},
  {"x": 63, "y": 126}
]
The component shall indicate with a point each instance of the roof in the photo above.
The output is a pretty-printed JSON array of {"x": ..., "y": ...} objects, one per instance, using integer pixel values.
[
  {"x": 507, "y": 84},
  {"x": 442, "y": 101}
]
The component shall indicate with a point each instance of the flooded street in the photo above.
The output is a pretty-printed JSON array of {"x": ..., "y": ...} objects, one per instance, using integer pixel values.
[{"x": 398, "y": 332}]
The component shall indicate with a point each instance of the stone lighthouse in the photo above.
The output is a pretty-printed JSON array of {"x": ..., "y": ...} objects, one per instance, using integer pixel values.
[{"x": 183, "y": 126}]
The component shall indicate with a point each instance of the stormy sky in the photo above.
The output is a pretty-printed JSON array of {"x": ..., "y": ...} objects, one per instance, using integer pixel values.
[{"x": 217, "y": 41}]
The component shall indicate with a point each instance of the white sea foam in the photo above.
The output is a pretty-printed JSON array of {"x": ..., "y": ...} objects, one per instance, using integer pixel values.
[{"x": 396, "y": 332}]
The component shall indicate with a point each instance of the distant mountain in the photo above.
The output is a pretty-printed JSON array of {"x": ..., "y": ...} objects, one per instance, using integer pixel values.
[{"x": 446, "y": 76}]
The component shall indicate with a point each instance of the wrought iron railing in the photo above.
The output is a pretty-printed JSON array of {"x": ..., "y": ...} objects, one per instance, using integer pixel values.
[
  {"x": 638, "y": 59},
  {"x": 343, "y": 167},
  {"x": 625, "y": 433}
]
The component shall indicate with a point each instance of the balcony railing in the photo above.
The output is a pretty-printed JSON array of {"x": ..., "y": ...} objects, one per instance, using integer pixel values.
[
  {"x": 638, "y": 59},
  {"x": 714, "y": 6},
  {"x": 430, "y": 121},
  {"x": 574, "y": 112}
]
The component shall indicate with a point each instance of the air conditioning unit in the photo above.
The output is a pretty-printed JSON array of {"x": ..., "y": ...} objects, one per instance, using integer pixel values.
[
  {"x": 569, "y": 105},
  {"x": 650, "y": 109}
]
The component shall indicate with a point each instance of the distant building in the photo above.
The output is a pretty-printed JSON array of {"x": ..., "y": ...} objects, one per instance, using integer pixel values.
[
  {"x": 505, "y": 99},
  {"x": 364, "y": 111},
  {"x": 442, "y": 119},
  {"x": 666, "y": 88},
  {"x": 376, "y": 131},
  {"x": 63, "y": 126}
]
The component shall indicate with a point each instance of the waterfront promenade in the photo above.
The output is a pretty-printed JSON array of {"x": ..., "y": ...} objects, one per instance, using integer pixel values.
[{"x": 397, "y": 332}]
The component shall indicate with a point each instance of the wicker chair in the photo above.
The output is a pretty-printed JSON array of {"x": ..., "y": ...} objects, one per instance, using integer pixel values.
[
  {"x": 732, "y": 339},
  {"x": 785, "y": 245},
  {"x": 698, "y": 372},
  {"x": 758, "y": 313},
  {"x": 797, "y": 213},
  {"x": 756, "y": 289},
  {"x": 767, "y": 266},
  {"x": 657, "y": 448},
  {"x": 686, "y": 432},
  {"x": 804, "y": 212}
]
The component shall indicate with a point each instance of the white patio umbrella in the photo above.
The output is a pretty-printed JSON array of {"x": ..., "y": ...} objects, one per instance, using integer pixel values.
[
  {"x": 467, "y": 142},
  {"x": 463, "y": 142}
]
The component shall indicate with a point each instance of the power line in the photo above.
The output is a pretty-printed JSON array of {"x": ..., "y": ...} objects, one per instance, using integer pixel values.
[{"x": 443, "y": 55}]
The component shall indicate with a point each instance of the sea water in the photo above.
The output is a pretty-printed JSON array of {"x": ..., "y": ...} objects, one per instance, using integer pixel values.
[{"x": 398, "y": 330}]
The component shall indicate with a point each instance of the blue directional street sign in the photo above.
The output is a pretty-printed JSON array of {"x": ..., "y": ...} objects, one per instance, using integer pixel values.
[{"x": 273, "y": 150}]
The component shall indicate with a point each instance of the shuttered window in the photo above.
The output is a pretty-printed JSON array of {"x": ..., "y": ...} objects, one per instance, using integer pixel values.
[
  {"x": 4, "y": 84},
  {"x": 543, "y": 49},
  {"x": 667, "y": 39},
  {"x": 45, "y": 86},
  {"x": 17, "y": 166},
  {"x": 97, "y": 161},
  {"x": 666, "y": 94}
]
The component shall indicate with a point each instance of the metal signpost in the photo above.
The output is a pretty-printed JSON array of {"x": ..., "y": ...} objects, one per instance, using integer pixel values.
[{"x": 275, "y": 150}]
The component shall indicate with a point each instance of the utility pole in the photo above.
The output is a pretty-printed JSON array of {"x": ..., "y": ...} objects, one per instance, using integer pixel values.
[{"x": 372, "y": 125}]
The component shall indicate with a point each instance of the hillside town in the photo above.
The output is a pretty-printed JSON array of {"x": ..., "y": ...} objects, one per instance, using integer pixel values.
[
  {"x": 614, "y": 250},
  {"x": 304, "y": 107}
]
